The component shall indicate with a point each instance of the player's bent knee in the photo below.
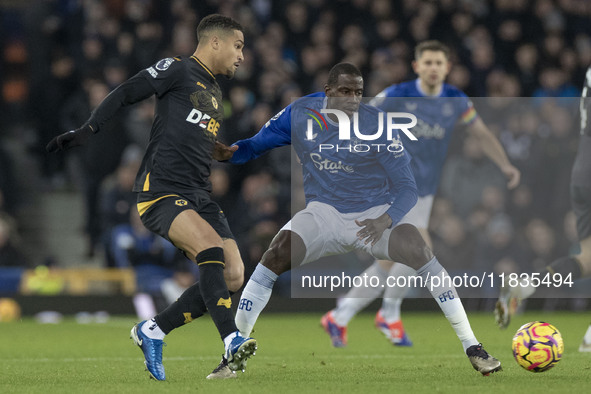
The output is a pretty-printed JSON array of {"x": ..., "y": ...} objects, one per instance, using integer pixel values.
[
  {"x": 234, "y": 276},
  {"x": 234, "y": 270},
  {"x": 408, "y": 247},
  {"x": 278, "y": 257},
  {"x": 192, "y": 234}
]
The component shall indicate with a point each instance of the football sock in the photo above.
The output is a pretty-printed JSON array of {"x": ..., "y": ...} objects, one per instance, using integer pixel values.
[
  {"x": 228, "y": 338},
  {"x": 214, "y": 290},
  {"x": 587, "y": 337},
  {"x": 152, "y": 330},
  {"x": 359, "y": 297},
  {"x": 187, "y": 308},
  {"x": 391, "y": 309},
  {"x": 525, "y": 290},
  {"x": 563, "y": 266},
  {"x": 438, "y": 282},
  {"x": 394, "y": 295},
  {"x": 255, "y": 297}
]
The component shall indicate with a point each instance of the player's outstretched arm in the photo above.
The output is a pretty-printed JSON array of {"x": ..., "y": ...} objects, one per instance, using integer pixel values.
[
  {"x": 492, "y": 148},
  {"x": 275, "y": 133},
  {"x": 70, "y": 139},
  {"x": 131, "y": 91},
  {"x": 223, "y": 152}
]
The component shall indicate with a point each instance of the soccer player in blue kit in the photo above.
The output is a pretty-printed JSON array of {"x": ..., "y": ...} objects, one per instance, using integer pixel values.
[
  {"x": 439, "y": 107},
  {"x": 349, "y": 202}
]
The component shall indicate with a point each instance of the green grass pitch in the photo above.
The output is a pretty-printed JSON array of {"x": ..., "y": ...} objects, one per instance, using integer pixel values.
[{"x": 294, "y": 356}]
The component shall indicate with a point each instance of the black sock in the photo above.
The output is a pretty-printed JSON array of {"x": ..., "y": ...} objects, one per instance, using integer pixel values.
[
  {"x": 214, "y": 290},
  {"x": 188, "y": 307},
  {"x": 565, "y": 266}
]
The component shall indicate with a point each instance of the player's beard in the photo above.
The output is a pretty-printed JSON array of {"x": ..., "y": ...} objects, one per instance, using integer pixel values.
[{"x": 231, "y": 72}]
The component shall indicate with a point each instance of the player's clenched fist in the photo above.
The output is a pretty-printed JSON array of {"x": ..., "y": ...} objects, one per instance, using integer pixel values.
[{"x": 70, "y": 139}]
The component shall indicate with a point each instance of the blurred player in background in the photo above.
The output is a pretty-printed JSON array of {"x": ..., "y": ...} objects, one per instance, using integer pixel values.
[
  {"x": 569, "y": 267},
  {"x": 348, "y": 203},
  {"x": 173, "y": 183},
  {"x": 434, "y": 132}
]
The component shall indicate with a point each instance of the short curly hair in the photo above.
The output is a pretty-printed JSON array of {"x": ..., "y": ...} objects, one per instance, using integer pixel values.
[
  {"x": 216, "y": 22},
  {"x": 339, "y": 69}
]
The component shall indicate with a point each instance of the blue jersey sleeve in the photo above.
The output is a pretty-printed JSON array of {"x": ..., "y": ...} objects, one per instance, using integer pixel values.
[
  {"x": 275, "y": 133},
  {"x": 400, "y": 180},
  {"x": 403, "y": 186}
]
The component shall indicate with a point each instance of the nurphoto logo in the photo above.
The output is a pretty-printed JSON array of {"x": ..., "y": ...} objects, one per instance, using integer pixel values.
[{"x": 345, "y": 124}]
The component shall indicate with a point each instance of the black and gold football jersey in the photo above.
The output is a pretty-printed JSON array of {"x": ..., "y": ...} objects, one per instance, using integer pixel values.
[{"x": 187, "y": 120}]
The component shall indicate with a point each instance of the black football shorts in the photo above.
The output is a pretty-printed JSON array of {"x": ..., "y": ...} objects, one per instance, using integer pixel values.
[{"x": 158, "y": 210}]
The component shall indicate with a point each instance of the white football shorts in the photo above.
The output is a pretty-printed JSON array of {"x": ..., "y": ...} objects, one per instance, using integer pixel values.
[
  {"x": 419, "y": 214},
  {"x": 325, "y": 231}
]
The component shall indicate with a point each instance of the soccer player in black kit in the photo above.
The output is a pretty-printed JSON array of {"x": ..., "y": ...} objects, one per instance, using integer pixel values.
[
  {"x": 572, "y": 267},
  {"x": 174, "y": 189}
]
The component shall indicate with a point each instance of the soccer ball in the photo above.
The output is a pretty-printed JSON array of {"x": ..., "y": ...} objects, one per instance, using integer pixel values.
[{"x": 537, "y": 346}]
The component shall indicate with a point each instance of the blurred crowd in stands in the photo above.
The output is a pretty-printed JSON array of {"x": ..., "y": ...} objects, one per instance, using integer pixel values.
[{"x": 60, "y": 58}]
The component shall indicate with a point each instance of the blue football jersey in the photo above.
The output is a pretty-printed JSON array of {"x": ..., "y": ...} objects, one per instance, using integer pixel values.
[
  {"x": 436, "y": 120},
  {"x": 352, "y": 175}
]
